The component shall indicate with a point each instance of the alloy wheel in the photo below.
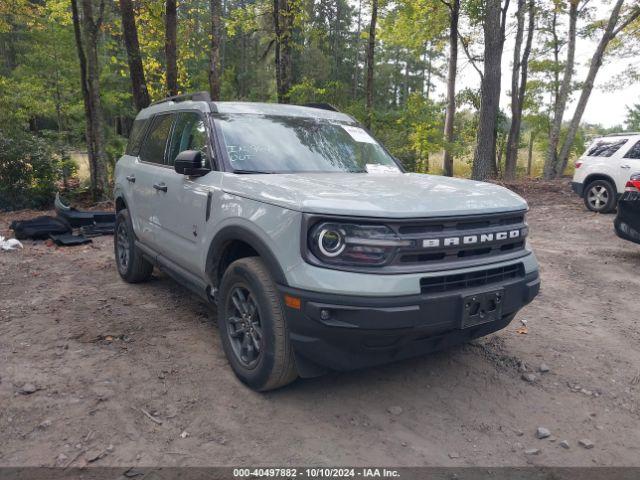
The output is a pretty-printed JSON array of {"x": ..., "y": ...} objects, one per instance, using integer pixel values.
[
  {"x": 122, "y": 242},
  {"x": 243, "y": 326},
  {"x": 598, "y": 197}
]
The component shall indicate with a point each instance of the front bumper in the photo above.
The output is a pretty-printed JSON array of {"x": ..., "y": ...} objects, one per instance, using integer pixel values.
[
  {"x": 363, "y": 331},
  {"x": 577, "y": 188}
]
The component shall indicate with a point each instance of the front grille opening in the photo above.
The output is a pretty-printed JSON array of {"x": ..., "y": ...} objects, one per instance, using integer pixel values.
[
  {"x": 422, "y": 257},
  {"x": 419, "y": 254},
  {"x": 418, "y": 229},
  {"x": 473, "y": 279},
  {"x": 512, "y": 220},
  {"x": 511, "y": 246},
  {"x": 474, "y": 252},
  {"x": 473, "y": 225}
]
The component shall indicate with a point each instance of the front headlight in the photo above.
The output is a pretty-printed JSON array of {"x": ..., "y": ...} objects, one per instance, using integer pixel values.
[{"x": 352, "y": 244}]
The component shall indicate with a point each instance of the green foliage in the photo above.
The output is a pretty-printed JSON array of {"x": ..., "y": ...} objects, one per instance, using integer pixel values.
[
  {"x": 40, "y": 85},
  {"x": 632, "y": 121},
  {"x": 29, "y": 171}
]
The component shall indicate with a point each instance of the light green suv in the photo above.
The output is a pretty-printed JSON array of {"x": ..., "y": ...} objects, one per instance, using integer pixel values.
[{"x": 319, "y": 251}]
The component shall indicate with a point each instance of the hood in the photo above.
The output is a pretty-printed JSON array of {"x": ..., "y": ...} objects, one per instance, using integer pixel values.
[{"x": 404, "y": 195}]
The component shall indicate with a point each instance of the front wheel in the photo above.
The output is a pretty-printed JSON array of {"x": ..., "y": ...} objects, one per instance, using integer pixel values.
[
  {"x": 600, "y": 196},
  {"x": 253, "y": 329}
]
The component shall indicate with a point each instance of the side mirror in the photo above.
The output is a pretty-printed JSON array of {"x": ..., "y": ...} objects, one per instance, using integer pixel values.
[{"x": 189, "y": 163}]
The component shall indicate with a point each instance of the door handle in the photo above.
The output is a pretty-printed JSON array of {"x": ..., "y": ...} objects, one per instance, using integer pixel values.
[
  {"x": 625, "y": 166},
  {"x": 160, "y": 186},
  {"x": 131, "y": 178}
]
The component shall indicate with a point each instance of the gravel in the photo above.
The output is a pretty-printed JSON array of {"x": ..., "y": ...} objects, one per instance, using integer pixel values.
[
  {"x": 28, "y": 389},
  {"x": 586, "y": 443},
  {"x": 542, "y": 432},
  {"x": 395, "y": 410}
]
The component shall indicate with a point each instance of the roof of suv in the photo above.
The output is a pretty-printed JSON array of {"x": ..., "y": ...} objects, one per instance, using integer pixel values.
[
  {"x": 612, "y": 137},
  {"x": 249, "y": 108}
]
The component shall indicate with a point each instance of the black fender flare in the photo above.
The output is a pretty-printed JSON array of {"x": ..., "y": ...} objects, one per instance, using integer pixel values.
[{"x": 231, "y": 233}]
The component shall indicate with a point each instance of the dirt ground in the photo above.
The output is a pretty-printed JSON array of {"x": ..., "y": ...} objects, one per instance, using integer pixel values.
[{"x": 135, "y": 375}]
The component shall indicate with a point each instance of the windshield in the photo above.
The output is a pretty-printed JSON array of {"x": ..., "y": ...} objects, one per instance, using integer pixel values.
[{"x": 277, "y": 144}]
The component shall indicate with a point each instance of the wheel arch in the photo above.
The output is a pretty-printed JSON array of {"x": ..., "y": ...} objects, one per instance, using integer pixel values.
[
  {"x": 121, "y": 203},
  {"x": 234, "y": 242},
  {"x": 598, "y": 176}
]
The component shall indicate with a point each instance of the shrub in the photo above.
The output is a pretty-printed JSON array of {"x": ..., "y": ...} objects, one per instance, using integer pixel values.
[{"x": 29, "y": 170}]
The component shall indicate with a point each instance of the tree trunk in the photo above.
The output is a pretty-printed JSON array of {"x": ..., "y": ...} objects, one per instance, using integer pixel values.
[
  {"x": 283, "y": 21},
  {"x": 530, "y": 154},
  {"x": 86, "y": 30},
  {"x": 447, "y": 162},
  {"x": 371, "y": 47},
  {"x": 405, "y": 83},
  {"x": 485, "y": 153},
  {"x": 286, "y": 50},
  {"x": 562, "y": 96},
  {"x": 518, "y": 91},
  {"x": 171, "y": 46},
  {"x": 498, "y": 164},
  {"x": 136, "y": 72},
  {"x": 356, "y": 68},
  {"x": 596, "y": 61},
  {"x": 214, "y": 55}
]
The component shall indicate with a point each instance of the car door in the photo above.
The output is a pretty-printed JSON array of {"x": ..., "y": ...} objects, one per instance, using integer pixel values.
[
  {"x": 148, "y": 191},
  {"x": 187, "y": 204},
  {"x": 629, "y": 164}
]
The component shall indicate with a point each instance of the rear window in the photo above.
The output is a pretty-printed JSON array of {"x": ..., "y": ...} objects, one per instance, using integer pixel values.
[
  {"x": 606, "y": 148},
  {"x": 135, "y": 138},
  {"x": 155, "y": 141},
  {"x": 634, "y": 152}
]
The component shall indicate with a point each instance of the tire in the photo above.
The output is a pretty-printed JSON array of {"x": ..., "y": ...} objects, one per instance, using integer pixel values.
[
  {"x": 252, "y": 326},
  {"x": 600, "y": 196},
  {"x": 131, "y": 265}
]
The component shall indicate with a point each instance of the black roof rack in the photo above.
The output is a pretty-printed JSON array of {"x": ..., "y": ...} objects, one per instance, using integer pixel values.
[
  {"x": 195, "y": 97},
  {"x": 322, "y": 106}
]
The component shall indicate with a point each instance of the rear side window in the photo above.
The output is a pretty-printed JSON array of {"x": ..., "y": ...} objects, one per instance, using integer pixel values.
[
  {"x": 135, "y": 138},
  {"x": 606, "y": 148},
  {"x": 634, "y": 152},
  {"x": 153, "y": 148}
]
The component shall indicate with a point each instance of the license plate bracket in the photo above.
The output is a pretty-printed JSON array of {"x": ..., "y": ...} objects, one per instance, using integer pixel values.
[{"x": 482, "y": 308}]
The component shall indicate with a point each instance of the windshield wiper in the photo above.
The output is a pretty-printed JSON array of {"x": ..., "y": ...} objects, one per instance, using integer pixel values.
[{"x": 239, "y": 170}]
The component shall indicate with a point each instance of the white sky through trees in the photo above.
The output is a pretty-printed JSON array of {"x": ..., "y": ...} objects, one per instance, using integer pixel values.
[{"x": 607, "y": 105}]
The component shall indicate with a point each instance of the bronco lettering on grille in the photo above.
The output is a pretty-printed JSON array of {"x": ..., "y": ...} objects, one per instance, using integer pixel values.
[{"x": 478, "y": 239}]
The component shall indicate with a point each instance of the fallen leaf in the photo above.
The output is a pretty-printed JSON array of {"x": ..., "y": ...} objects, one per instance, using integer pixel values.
[{"x": 522, "y": 330}]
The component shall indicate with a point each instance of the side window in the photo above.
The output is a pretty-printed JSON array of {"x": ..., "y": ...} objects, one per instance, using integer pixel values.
[
  {"x": 606, "y": 148},
  {"x": 152, "y": 149},
  {"x": 634, "y": 152},
  {"x": 189, "y": 133},
  {"x": 135, "y": 138}
]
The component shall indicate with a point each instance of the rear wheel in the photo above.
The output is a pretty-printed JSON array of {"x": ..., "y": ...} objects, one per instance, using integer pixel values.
[
  {"x": 132, "y": 267},
  {"x": 253, "y": 329},
  {"x": 600, "y": 196}
]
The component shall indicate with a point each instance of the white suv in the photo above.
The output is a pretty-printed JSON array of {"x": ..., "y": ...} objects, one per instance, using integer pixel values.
[{"x": 604, "y": 168}]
